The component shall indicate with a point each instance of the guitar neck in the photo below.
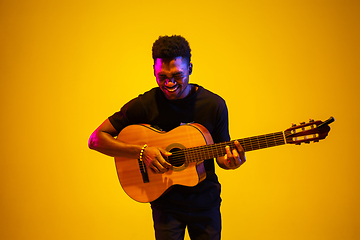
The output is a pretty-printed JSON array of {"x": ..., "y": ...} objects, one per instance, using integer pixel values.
[{"x": 201, "y": 153}]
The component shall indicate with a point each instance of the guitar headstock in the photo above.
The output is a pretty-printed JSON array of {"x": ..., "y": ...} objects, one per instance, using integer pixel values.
[{"x": 313, "y": 131}]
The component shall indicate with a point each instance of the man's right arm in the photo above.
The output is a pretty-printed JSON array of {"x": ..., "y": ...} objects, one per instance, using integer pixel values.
[{"x": 102, "y": 140}]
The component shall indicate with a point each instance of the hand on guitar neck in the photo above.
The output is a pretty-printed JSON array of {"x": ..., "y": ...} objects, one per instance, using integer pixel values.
[{"x": 232, "y": 159}]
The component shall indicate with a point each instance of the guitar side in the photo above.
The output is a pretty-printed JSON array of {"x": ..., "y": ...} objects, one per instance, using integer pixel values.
[{"x": 188, "y": 174}]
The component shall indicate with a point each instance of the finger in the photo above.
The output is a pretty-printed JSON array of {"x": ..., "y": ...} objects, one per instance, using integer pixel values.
[
  {"x": 159, "y": 168},
  {"x": 240, "y": 151},
  {"x": 161, "y": 164},
  {"x": 151, "y": 163},
  {"x": 238, "y": 146},
  {"x": 153, "y": 168},
  {"x": 228, "y": 152},
  {"x": 162, "y": 160},
  {"x": 237, "y": 160},
  {"x": 167, "y": 153},
  {"x": 232, "y": 158},
  {"x": 226, "y": 161},
  {"x": 229, "y": 162}
]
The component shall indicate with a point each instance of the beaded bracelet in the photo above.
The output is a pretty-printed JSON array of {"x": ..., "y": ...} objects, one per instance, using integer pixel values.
[{"x": 142, "y": 151}]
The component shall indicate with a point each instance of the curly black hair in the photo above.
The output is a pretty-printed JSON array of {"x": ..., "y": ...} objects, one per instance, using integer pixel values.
[{"x": 171, "y": 47}]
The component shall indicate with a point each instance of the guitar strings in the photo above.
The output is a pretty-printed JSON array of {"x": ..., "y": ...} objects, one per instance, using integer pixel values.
[
  {"x": 200, "y": 153},
  {"x": 204, "y": 152},
  {"x": 216, "y": 150},
  {"x": 219, "y": 148}
]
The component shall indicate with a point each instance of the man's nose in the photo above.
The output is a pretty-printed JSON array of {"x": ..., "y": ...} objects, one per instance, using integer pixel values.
[{"x": 170, "y": 80}]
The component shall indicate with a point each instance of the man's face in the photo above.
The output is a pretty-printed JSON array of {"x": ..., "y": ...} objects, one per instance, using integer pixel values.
[{"x": 172, "y": 76}]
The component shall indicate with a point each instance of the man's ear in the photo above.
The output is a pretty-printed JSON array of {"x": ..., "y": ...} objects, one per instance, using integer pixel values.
[
  {"x": 154, "y": 70},
  {"x": 190, "y": 68}
]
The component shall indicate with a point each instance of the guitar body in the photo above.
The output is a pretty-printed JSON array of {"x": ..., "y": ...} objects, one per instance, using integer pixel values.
[{"x": 142, "y": 184}]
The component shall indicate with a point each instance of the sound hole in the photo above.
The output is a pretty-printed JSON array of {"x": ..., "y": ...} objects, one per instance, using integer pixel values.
[{"x": 177, "y": 158}]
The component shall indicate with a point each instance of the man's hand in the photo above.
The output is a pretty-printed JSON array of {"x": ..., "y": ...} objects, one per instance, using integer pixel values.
[
  {"x": 236, "y": 158},
  {"x": 154, "y": 159}
]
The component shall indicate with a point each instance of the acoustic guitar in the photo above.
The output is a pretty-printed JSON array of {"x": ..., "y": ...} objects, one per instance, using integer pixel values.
[{"x": 190, "y": 145}]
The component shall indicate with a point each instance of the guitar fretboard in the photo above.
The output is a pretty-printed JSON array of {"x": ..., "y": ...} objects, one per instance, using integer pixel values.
[{"x": 201, "y": 153}]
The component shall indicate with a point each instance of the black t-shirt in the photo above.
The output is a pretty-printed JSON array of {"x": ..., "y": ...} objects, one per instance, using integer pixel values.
[{"x": 203, "y": 107}]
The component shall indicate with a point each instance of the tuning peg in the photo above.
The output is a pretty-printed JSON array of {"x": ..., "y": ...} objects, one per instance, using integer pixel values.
[
  {"x": 311, "y": 120},
  {"x": 302, "y": 123},
  {"x": 294, "y": 125},
  {"x": 307, "y": 142}
]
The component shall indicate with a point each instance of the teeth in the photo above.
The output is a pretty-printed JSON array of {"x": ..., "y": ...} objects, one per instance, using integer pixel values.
[{"x": 173, "y": 89}]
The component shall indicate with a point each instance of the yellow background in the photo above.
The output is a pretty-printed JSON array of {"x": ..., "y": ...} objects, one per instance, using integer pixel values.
[{"x": 65, "y": 66}]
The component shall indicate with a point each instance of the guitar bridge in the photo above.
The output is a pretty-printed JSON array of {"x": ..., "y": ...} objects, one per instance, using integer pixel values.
[{"x": 143, "y": 171}]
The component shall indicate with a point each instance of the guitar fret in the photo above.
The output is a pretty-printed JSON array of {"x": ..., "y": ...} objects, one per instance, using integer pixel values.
[
  {"x": 247, "y": 144},
  {"x": 262, "y": 141},
  {"x": 266, "y": 140},
  {"x": 270, "y": 140},
  {"x": 188, "y": 154},
  {"x": 255, "y": 143},
  {"x": 275, "y": 142}
]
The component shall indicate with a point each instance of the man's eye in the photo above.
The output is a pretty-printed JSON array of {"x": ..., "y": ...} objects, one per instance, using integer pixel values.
[
  {"x": 175, "y": 77},
  {"x": 162, "y": 78}
]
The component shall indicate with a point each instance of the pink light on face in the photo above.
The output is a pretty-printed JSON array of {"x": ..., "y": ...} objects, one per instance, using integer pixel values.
[{"x": 172, "y": 76}]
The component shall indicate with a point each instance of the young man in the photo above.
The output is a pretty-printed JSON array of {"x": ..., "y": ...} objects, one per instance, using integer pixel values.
[{"x": 175, "y": 102}]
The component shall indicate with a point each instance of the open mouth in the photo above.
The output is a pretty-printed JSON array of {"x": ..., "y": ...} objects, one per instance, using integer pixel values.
[{"x": 172, "y": 89}]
